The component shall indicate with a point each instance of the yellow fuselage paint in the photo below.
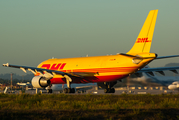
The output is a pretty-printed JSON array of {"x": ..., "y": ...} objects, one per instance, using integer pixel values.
[{"x": 98, "y": 66}]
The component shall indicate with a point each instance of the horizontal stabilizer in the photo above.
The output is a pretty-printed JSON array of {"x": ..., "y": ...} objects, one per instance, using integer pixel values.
[
  {"x": 162, "y": 57},
  {"x": 135, "y": 56},
  {"x": 159, "y": 69}
]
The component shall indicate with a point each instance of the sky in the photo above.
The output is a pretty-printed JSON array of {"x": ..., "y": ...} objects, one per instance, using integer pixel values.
[{"x": 32, "y": 31}]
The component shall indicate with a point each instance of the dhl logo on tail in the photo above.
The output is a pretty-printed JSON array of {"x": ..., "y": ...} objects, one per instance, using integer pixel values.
[{"x": 142, "y": 40}]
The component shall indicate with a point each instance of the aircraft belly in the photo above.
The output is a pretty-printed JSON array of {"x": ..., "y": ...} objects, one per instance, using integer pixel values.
[
  {"x": 90, "y": 79},
  {"x": 95, "y": 75}
]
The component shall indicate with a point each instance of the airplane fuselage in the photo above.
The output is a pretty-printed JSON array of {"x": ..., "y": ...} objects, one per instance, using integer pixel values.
[{"x": 94, "y": 69}]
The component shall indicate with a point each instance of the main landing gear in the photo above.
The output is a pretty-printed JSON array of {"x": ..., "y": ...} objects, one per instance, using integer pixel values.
[
  {"x": 109, "y": 90},
  {"x": 69, "y": 89},
  {"x": 107, "y": 86}
]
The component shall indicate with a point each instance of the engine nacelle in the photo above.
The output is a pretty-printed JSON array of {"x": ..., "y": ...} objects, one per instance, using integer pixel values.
[
  {"x": 40, "y": 82},
  {"x": 174, "y": 86}
]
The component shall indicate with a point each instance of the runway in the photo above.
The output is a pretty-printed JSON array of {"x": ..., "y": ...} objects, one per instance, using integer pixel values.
[
  {"x": 95, "y": 90},
  {"x": 118, "y": 91}
]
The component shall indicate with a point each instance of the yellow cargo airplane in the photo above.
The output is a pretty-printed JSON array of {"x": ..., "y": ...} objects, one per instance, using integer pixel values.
[{"x": 105, "y": 70}]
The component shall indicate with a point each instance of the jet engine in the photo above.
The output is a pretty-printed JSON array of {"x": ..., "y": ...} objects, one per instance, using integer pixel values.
[
  {"x": 40, "y": 82},
  {"x": 174, "y": 86}
]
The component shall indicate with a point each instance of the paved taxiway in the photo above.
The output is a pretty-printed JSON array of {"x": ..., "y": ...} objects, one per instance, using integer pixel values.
[{"x": 117, "y": 92}]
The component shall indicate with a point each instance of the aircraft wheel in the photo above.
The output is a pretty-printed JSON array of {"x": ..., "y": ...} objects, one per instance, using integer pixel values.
[
  {"x": 112, "y": 90},
  {"x": 65, "y": 90},
  {"x": 49, "y": 90},
  {"x": 105, "y": 90},
  {"x": 73, "y": 90},
  {"x": 69, "y": 90},
  {"x": 109, "y": 90}
]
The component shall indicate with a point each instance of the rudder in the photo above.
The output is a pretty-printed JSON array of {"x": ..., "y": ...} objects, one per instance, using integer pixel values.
[{"x": 144, "y": 39}]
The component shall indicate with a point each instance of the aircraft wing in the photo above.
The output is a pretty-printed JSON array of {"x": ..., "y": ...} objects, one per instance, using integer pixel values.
[
  {"x": 52, "y": 72},
  {"x": 35, "y": 69},
  {"x": 159, "y": 70}
]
